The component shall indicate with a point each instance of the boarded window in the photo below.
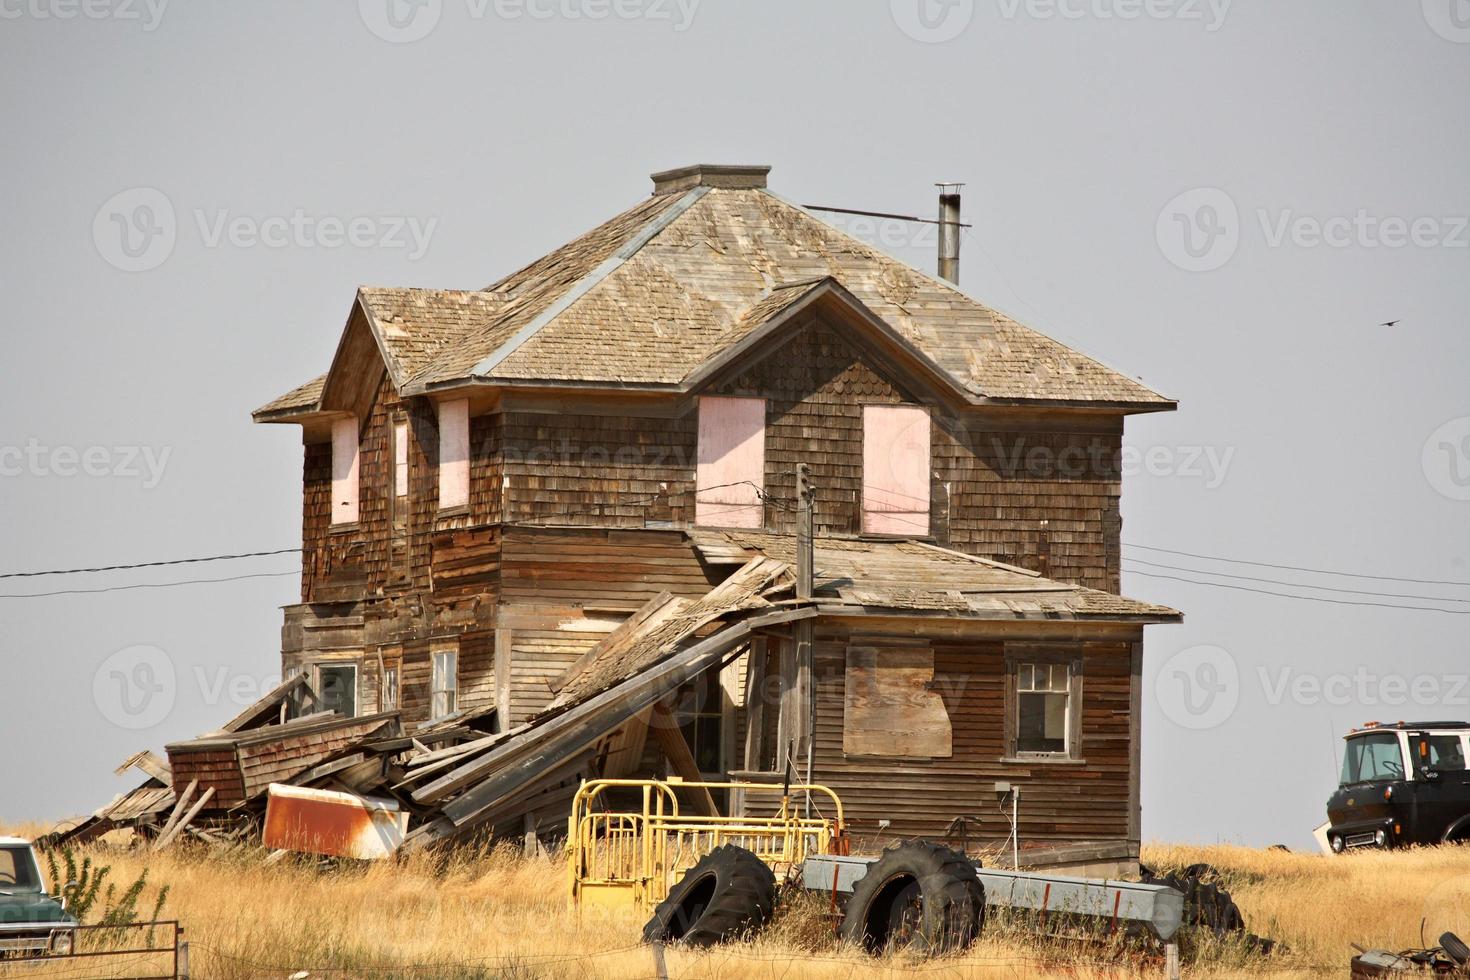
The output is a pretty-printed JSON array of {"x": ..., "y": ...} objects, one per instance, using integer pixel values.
[
  {"x": 344, "y": 471},
  {"x": 731, "y": 468},
  {"x": 888, "y": 708},
  {"x": 444, "y": 682},
  {"x": 895, "y": 470},
  {"x": 454, "y": 453},
  {"x": 400, "y": 459}
]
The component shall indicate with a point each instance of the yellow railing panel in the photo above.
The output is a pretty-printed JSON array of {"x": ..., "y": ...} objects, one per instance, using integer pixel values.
[{"x": 622, "y": 857}]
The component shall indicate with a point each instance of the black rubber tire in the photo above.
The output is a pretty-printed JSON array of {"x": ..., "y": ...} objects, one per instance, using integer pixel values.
[
  {"x": 728, "y": 894},
  {"x": 919, "y": 896},
  {"x": 1206, "y": 904},
  {"x": 1455, "y": 948}
]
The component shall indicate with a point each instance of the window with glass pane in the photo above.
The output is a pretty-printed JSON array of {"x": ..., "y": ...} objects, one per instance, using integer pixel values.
[
  {"x": 1372, "y": 757},
  {"x": 699, "y": 707},
  {"x": 389, "y": 697},
  {"x": 445, "y": 682},
  {"x": 338, "y": 688},
  {"x": 1446, "y": 753},
  {"x": 1043, "y": 695}
]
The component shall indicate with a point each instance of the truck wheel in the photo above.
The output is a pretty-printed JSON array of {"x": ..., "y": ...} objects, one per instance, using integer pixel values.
[
  {"x": 1455, "y": 948},
  {"x": 730, "y": 892},
  {"x": 919, "y": 896}
]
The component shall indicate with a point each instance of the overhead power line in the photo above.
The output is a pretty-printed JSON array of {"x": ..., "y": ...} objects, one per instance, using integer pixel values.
[
  {"x": 1295, "y": 585},
  {"x": 148, "y": 585},
  {"x": 1304, "y": 598},
  {"x": 150, "y": 564},
  {"x": 1295, "y": 568}
]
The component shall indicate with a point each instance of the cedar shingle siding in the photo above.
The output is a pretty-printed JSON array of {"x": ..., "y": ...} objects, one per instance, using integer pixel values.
[{"x": 583, "y": 372}]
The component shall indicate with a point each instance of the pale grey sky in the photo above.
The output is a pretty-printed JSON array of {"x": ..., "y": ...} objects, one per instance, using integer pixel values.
[{"x": 1313, "y": 153}]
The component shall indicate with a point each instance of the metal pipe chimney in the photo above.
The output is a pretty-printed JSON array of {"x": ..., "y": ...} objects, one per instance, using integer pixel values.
[{"x": 949, "y": 231}]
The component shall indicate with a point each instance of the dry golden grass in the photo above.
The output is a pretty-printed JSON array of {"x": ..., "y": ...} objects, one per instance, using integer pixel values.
[{"x": 496, "y": 914}]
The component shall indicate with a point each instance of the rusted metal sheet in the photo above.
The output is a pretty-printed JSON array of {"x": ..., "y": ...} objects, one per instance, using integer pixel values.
[{"x": 319, "y": 821}]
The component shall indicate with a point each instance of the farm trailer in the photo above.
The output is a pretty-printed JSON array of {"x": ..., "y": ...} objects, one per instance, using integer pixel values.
[{"x": 694, "y": 868}]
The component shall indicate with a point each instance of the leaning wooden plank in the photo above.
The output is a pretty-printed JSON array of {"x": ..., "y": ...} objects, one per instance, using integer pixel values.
[
  {"x": 167, "y": 837},
  {"x": 265, "y": 710},
  {"x": 180, "y": 806},
  {"x": 441, "y": 829},
  {"x": 148, "y": 763},
  {"x": 544, "y": 746},
  {"x": 629, "y": 626},
  {"x": 665, "y": 728},
  {"x": 328, "y": 768},
  {"x": 473, "y": 772}
]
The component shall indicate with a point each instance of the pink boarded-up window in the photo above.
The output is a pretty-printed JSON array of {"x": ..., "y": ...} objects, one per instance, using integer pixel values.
[
  {"x": 731, "y": 467},
  {"x": 400, "y": 459},
  {"x": 454, "y": 453},
  {"x": 895, "y": 470},
  {"x": 344, "y": 471}
]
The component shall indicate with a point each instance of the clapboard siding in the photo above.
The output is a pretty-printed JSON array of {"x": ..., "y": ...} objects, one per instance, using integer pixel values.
[{"x": 1059, "y": 802}]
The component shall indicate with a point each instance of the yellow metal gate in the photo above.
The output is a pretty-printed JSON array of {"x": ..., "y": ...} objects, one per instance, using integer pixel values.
[{"x": 631, "y": 858}]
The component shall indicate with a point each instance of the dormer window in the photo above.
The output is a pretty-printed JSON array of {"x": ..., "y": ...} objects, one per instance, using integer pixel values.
[
  {"x": 454, "y": 454},
  {"x": 896, "y": 470},
  {"x": 731, "y": 465},
  {"x": 344, "y": 471}
]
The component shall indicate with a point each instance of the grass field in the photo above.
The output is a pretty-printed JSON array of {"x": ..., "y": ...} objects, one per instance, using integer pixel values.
[{"x": 497, "y": 914}]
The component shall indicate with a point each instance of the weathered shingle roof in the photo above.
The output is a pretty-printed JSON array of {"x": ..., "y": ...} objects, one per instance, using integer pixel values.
[
  {"x": 305, "y": 397},
  {"x": 652, "y": 294},
  {"x": 903, "y": 575}
]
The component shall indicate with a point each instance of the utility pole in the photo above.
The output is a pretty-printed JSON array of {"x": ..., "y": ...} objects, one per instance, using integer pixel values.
[{"x": 806, "y": 694}]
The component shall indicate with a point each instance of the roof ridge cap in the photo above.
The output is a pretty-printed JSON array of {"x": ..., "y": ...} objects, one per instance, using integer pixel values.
[
  {"x": 648, "y": 231},
  {"x": 952, "y": 287}
]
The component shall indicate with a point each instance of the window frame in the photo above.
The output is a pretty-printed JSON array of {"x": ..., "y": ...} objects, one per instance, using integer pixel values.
[
  {"x": 400, "y": 472},
  {"x": 436, "y": 676},
  {"x": 346, "y": 485},
  {"x": 321, "y": 690},
  {"x": 901, "y": 523},
  {"x": 714, "y": 509},
  {"x": 454, "y": 455},
  {"x": 1015, "y": 658}
]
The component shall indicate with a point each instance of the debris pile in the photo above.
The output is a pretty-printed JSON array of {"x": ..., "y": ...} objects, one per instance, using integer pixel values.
[{"x": 291, "y": 774}]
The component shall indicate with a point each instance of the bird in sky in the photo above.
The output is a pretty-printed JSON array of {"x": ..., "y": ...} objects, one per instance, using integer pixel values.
[{"x": 1390, "y": 323}]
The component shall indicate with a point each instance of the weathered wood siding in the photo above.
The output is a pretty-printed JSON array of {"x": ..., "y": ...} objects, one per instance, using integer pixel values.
[
  {"x": 1060, "y": 801},
  {"x": 1040, "y": 490},
  {"x": 564, "y": 589}
]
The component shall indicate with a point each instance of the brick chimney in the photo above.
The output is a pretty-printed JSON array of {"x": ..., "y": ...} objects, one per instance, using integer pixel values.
[{"x": 729, "y": 176}]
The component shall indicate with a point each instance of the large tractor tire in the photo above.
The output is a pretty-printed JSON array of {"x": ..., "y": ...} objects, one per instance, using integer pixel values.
[
  {"x": 1208, "y": 906},
  {"x": 918, "y": 896},
  {"x": 728, "y": 894}
]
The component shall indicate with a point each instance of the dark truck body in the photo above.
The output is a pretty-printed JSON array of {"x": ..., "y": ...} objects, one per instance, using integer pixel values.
[
  {"x": 31, "y": 922},
  {"x": 1402, "y": 784}
]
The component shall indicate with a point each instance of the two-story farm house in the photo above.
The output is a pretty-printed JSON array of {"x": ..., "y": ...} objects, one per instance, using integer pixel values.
[{"x": 569, "y": 499}]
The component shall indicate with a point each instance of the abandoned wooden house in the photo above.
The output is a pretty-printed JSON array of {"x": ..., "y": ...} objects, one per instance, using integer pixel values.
[{"x": 565, "y": 508}]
